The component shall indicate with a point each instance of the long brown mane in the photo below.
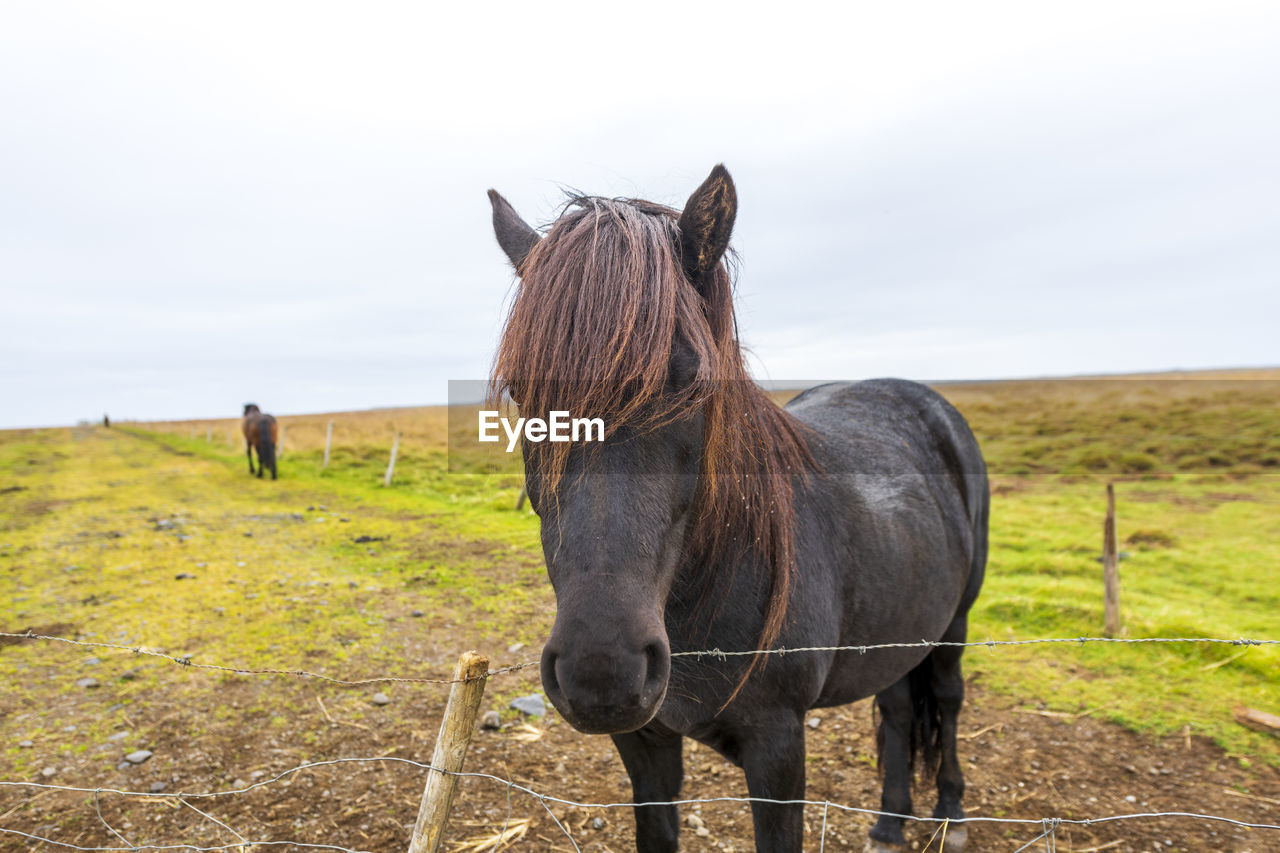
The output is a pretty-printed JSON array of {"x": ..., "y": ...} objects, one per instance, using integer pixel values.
[{"x": 602, "y": 303}]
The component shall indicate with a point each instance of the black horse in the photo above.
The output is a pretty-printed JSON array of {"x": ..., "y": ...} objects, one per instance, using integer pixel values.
[
  {"x": 709, "y": 518},
  {"x": 261, "y": 433}
]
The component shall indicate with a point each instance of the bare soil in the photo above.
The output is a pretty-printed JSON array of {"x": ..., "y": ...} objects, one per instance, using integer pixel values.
[{"x": 1021, "y": 762}]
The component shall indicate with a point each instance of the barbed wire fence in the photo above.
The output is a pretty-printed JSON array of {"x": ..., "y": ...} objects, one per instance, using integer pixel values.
[{"x": 1047, "y": 826}]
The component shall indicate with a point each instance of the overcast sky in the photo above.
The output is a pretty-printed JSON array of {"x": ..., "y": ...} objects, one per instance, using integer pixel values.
[{"x": 206, "y": 204}]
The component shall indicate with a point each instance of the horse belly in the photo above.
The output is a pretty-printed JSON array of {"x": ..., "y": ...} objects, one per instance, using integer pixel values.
[{"x": 914, "y": 596}]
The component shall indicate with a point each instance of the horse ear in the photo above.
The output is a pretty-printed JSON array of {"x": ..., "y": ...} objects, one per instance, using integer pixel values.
[
  {"x": 707, "y": 223},
  {"x": 515, "y": 237}
]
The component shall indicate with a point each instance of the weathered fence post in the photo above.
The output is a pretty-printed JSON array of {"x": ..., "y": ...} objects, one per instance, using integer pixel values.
[
  {"x": 451, "y": 749},
  {"x": 230, "y": 444},
  {"x": 1111, "y": 566},
  {"x": 208, "y": 435},
  {"x": 328, "y": 439},
  {"x": 524, "y": 493},
  {"x": 391, "y": 466}
]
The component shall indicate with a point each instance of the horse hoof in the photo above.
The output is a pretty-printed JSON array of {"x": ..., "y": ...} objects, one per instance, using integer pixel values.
[
  {"x": 874, "y": 846},
  {"x": 957, "y": 837}
]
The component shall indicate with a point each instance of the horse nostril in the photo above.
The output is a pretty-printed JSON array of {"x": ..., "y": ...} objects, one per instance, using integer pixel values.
[
  {"x": 657, "y": 661},
  {"x": 550, "y": 683}
]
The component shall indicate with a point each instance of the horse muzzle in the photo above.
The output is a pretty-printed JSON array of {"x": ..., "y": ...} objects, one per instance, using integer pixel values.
[{"x": 606, "y": 691}]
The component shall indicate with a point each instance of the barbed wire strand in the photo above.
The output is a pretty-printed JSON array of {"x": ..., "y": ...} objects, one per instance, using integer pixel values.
[
  {"x": 214, "y": 819},
  {"x": 98, "y": 808},
  {"x": 186, "y": 660},
  {"x": 549, "y": 798},
  {"x": 1048, "y": 836},
  {"x": 542, "y": 800},
  {"x": 933, "y": 644}
]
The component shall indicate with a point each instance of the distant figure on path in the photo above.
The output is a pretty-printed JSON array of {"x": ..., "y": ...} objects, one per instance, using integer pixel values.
[
  {"x": 261, "y": 432},
  {"x": 106, "y": 421}
]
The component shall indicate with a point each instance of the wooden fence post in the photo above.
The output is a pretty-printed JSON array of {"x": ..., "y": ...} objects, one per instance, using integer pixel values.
[
  {"x": 391, "y": 466},
  {"x": 230, "y": 444},
  {"x": 451, "y": 749},
  {"x": 1111, "y": 566},
  {"x": 208, "y": 435},
  {"x": 524, "y": 493},
  {"x": 328, "y": 439}
]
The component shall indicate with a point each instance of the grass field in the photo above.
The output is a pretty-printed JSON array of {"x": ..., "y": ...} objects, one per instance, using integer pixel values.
[
  {"x": 97, "y": 525},
  {"x": 1197, "y": 465}
]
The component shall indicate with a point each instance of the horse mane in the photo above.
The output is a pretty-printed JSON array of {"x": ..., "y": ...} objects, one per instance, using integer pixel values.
[{"x": 602, "y": 301}]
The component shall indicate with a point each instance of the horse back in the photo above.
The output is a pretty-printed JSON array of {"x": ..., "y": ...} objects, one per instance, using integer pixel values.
[{"x": 893, "y": 428}]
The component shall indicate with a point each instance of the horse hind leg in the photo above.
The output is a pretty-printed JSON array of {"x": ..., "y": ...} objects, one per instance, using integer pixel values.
[
  {"x": 893, "y": 742},
  {"x": 947, "y": 684}
]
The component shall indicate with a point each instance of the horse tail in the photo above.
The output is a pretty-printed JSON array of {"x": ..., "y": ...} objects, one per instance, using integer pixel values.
[
  {"x": 267, "y": 432},
  {"x": 926, "y": 720},
  {"x": 924, "y": 736}
]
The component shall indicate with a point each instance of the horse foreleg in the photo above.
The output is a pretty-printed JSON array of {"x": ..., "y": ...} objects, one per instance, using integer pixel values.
[
  {"x": 895, "y": 763},
  {"x": 773, "y": 759},
  {"x": 248, "y": 451},
  {"x": 654, "y": 761}
]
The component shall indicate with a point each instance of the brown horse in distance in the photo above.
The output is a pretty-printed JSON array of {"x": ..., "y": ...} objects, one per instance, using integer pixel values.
[{"x": 262, "y": 432}]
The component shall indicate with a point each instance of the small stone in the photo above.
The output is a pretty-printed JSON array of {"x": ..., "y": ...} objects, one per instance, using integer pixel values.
[
  {"x": 157, "y": 787},
  {"x": 87, "y": 683},
  {"x": 93, "y": 661},
  {"x": 257, "y": 774},
  {"x": 25, "y": 744},
  {"x": 123, "y": 765},
  {"x": 693, "y": 822},
  {"x": 381, "y": 699},
  {"x": 68, "y": 728},
  {"x": 240, "y": 564},
  {"x": 48, "y": 771},
  {"x": 702, "y": 832},
  {"x": 490, "y": 720},
  {"x": 1130, "y": 799},
  {"x": 118, "y": 736},
  {"x": 353, "y": 584},
  {"x": 531, "y": 705},
  {"x": 418, "y": 614},
  {"x": 598, "y": 823},
  {"x": 814, "y": 722},
  {"x": 138, "y": 757},
  {"x": 515, "y": 647},
  {"x": 182, "y": 576}
]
